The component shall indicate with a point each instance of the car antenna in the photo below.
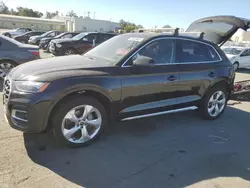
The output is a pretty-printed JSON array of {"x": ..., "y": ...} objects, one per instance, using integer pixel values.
[
  {"x": 202, "y": 35},
  {"x": 176, "y": 31}
]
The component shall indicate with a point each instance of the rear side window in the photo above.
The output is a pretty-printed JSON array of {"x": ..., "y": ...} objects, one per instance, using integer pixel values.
[{"x": 191, "y": 51}]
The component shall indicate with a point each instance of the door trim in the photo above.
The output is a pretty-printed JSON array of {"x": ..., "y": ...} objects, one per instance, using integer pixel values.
[{"x": 161, "y": 113}]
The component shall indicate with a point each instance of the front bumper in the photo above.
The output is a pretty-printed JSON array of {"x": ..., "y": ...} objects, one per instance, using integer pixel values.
[
  {"x": 55, "y": 51},
  {"x": 24, "y": 112}
]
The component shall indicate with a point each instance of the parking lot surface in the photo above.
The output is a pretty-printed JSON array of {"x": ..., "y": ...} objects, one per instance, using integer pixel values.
[{"x": 173, "y": 151}]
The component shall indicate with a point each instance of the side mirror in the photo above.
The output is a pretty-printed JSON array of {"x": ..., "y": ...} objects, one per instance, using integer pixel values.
[{"x": 143, "y": 61}]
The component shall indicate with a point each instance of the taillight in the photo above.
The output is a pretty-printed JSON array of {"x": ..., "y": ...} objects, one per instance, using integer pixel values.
[{"x": 35, "y": 52}]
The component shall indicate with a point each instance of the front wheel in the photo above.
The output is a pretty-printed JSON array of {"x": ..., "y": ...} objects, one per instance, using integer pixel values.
[
  {"x": 79, "y": 121},
  {"x": 5, "y": 67},
  {"x": 214, "y": 103},
  {"x": 236, "y": 66}
]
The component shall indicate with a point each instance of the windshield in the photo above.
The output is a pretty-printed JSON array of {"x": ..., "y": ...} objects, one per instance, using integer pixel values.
[
  {"x": 79, "y": 36},
  {"x": 115, "y": 48},
  {"x": 59, "y": 36},
  {"x": 45, "y": 34},
  {"x": 232, "y": 51}
]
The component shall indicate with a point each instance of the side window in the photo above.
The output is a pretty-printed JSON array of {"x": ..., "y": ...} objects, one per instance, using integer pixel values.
[
  {"x": 161, "y": 51},
  {"x": 67, "y": 36},
  {"x": 91, "y": 37},
  {"x": 104, "y": 37},
  {"x": 191, "y": 51},
  {"x": 246, "y": 53},
  {"x": 53, "y": 34},
  {"x": 21, "y": 30}
]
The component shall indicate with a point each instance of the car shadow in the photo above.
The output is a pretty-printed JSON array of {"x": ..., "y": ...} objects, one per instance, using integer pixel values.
[
  {"x": 174, "y": 150},
  {"x": 246, "y": 71}
]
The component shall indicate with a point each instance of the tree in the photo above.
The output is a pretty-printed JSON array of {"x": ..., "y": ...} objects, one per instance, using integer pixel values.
[
  {"x": 3, "y": 8},
  {"x": 127, "y": 26},
  {"x": 139, "y": 27},
  {"x": 21, "y": 11},
  {"x": 166, "y": 26},
  {"x": 50, "y": 15},
  {"x": 71, "y": 13}
]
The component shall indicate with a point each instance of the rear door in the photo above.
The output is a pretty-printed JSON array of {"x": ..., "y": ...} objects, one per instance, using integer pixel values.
[
  {"x": 219, "y": 29},
  {"x": 196, "y": 65}
]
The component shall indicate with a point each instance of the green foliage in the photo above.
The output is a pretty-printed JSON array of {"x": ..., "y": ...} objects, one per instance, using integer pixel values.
[
  {"x": 71, "y": 13},
  {"x": 128, "y": 26},
  {"x": 21, "y": 11},
  {"x": 50, "y": 15},
  {"x": 166, "y": 26}
]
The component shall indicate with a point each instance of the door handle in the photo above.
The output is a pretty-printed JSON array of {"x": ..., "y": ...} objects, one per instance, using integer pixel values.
[
  {"x": 171, "y": 78},
  {"x": 211, "y": 74}
]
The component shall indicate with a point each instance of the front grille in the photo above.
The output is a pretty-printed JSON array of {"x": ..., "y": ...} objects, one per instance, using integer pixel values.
[{"x": 6, "y": 90}]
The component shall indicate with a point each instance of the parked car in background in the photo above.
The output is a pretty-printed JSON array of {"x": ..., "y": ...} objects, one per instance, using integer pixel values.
[
  {"x": 44, "y": 43},
  {"x": 35, "y": 40},
  {"x": 78, "y": 44},
  {"x": 130, "y": 76},
  {"x": 15, "y": 32},
  {"x": 239, "y": 56},
  {"x": 24, "y": 38},
  {"x": 13, "y": 53}
]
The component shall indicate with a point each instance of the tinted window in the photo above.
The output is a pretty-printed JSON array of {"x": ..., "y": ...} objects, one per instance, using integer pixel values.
[
  {"x": 91, "y": 37},
  {"x": 161, "y": 51},
  {"x": 246, "y": 53},
  {"x": 53, "y": 34},
  {"x": 67, "y": 36},
  {"x": 191, "y": 51},
  {"x": 104, "y": 37}
]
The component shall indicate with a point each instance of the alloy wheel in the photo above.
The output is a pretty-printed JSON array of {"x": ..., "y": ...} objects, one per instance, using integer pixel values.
[
  {"x": 81, "y": 124},
  {"x": 216, "y": 103},
  {"x": 69, "y": 52},
  {"x": 236, "y": 66},
  {"x": 5, "y": 67}
]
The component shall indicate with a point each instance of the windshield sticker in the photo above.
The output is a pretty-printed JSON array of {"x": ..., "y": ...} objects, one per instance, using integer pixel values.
[{"x": 137, "y": 39}]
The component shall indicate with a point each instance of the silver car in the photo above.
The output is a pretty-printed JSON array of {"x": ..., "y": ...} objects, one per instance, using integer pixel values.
[
  {"x": 13, "y": 53},
  {"x": 16, "y": 32}
]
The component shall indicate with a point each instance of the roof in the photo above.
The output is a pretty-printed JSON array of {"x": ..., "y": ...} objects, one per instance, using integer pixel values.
[{"x": 24, "y": 18}]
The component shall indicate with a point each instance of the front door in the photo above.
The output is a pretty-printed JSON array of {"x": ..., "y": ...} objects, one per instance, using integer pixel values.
[
  {"x": 244, "y": 60},
  {"x": 150, "y": 89},
  {"x": 196, "y": 66}
]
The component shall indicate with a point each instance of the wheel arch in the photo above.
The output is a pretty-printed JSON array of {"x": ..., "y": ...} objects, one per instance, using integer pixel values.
[{"x": 95, "y": 93}]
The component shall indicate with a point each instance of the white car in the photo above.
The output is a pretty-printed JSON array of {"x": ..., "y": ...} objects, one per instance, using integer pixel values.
[
  {"x": 239, "y": 56},
  {"x": 16, "y": 32}
]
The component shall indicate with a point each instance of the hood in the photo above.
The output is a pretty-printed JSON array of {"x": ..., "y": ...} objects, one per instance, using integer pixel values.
[
  {"x": 63, "y": 40},
  {"x": 219, "y": 29},
  {"x": 54, "y": 65},
  {"x": 13, "y": 30}
]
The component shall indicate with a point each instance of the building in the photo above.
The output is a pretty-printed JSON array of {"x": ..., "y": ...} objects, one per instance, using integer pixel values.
[
  {"x": 12, "y": 22},
  {"x": 241, "y": 36},
  {"x": 87, "y": 24}
]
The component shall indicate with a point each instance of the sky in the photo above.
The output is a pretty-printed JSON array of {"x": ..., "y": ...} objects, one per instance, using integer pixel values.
[{"x": 149, "y": 13}]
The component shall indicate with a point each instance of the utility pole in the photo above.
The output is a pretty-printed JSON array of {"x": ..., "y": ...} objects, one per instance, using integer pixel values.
[{"x": 88, "y": 13}]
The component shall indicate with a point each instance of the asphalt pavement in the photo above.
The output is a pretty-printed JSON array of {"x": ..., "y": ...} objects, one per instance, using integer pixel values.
[{"x": 172, "y": 151}]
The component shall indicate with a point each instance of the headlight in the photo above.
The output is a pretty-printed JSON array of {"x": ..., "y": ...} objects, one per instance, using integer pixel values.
[
  {"x": 30, "y": 86},
  {"x": 58, "y": 45}
]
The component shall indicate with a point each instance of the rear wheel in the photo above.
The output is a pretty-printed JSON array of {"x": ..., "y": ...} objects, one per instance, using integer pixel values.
[
  {"x": 5, "y": 67},
  {"x": 236, "y": 65},
  {"x": 214, "y": 103},
  {"x": 69, "y": 52},
  {"x": 7, "y": 35},
  {"x": 79, "y": 121}
]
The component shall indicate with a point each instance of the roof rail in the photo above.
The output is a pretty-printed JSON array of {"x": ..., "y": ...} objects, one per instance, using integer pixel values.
[{"x": 199, "y": 35}]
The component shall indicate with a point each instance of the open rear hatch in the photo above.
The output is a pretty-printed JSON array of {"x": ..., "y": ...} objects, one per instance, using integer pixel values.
[{"x": 219, "y": 29}]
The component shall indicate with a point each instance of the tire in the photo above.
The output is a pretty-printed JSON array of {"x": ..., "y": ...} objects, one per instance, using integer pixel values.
[
  {"x": 7, "y": 35},
  {"x": 5, "y": 67},
  {"x": 206, "y": 104},
  {"x": 38, "y": 42},
  {"x": 76, "y": 129},
  {"x": 69, "y": 51},
  {"x": 236, "y": 65}
]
